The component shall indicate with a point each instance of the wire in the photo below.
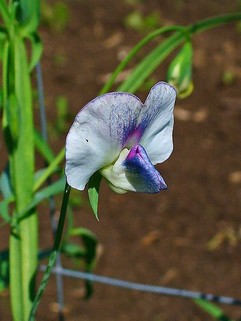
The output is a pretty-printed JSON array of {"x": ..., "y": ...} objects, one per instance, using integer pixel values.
[{"x": 144, "y": 287}]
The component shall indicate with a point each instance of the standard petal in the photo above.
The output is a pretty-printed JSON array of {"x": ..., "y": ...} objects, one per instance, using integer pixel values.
[
  {"x": 98, "y": 134},
  {"x": 156, "y": 119},
  {"x": 133, "y": 171}
]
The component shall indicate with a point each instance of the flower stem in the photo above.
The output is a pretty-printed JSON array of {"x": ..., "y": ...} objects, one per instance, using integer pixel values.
[{"x": 53, "y": 256}]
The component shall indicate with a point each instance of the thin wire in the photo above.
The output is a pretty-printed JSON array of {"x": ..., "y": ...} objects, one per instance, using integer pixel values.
[
  {"x": 52, "y": 207},
  {"x": 144, "y": 287}
]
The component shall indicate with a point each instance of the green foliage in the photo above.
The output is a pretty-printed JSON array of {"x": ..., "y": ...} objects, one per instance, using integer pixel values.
[
  {"x": 135, "y": 20},
  {"x": 37, "y": 49},
  {"x": 62, "y": 106},
  {"x": 28, "y": 15},
  {"x": 84, "y": 252},
  {"x": 179, "y": 73},
  {"x": 228, "y": 77},
  {"x": 56, "y": 15},
  {"x": 43, "y": 148}
]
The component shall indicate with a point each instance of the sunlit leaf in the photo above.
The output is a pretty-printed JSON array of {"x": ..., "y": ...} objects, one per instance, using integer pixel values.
[{"x": 93, "y": 192}]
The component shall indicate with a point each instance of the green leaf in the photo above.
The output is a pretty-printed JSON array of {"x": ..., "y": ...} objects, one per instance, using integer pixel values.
[
  {"x": 43, "y": 147},
  {"x": 72, "y": 250},
  {"x": 55, "y": 188},
  {"x": 93, "y": 192},
  {"x": 4, "y": 211},
  {"x": 5, "y": 13},
  {"x": 37, "y": 49},
  {"x": 86, "y": 252},
  {"x": 212, "y": 310},
  {"x": 53, "y": 167},
  {"x": 134, "y": 52},
  {"x": 150, "y": 63},
  {"x": 28, "y": 15}
]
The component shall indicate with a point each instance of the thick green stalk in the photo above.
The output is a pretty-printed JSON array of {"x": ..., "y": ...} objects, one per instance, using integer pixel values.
[
  {"x": 18, "y": 130},
  {"x": 24, "y": 158}
]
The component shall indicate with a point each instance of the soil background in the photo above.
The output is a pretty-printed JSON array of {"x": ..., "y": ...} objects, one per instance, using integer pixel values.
[{"x": 188, "y": 236}]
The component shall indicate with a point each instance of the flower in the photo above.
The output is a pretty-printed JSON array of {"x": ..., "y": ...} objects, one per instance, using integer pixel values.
[{"x": 122, "y": 138}]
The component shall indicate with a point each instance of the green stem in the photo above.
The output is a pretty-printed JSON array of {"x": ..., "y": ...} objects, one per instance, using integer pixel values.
[
  {"x": 213, "y": 22},
  {"x": 54, "y": 253},
  {"x": 18, "y": 132},
  {"x": 174, "y": 40},
  {"x": 134, "y": 51}
]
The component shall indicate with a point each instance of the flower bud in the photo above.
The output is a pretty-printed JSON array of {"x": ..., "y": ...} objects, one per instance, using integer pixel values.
[{"x": 179, "y": 73}]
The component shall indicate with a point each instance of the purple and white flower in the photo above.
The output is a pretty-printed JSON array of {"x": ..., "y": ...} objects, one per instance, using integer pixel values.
[{"x": 122, "y": 138}]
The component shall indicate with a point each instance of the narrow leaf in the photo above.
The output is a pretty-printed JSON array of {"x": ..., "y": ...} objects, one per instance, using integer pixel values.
[
  {"x": 4, "y": 212},
  {"x": 28, "y": 15},
  {"x": 150, "y": 63},
  {"x": 37, "y": 49},
  {"x": 93, "y": 192},
  {"x": 53, "y": 189},
  {"x": 53, "y": 166},
  {"x": 4, "y": 12},
  {"x": 43, "y": 147}
]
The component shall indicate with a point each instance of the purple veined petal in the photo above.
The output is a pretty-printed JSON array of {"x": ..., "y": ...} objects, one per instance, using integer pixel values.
[
  {"x": 156, "y": 118},
  {"x": 98, "y": 134},
  {"x": 133, "y": 171}
]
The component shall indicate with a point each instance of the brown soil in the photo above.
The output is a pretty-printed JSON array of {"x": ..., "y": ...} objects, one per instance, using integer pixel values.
[{"x": 188, "y": 236}]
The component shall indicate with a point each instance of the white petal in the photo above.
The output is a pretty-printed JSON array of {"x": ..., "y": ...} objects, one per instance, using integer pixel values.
[
  {"x": 157, "y": 120},
  {"x": 98, "y": 134}
]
